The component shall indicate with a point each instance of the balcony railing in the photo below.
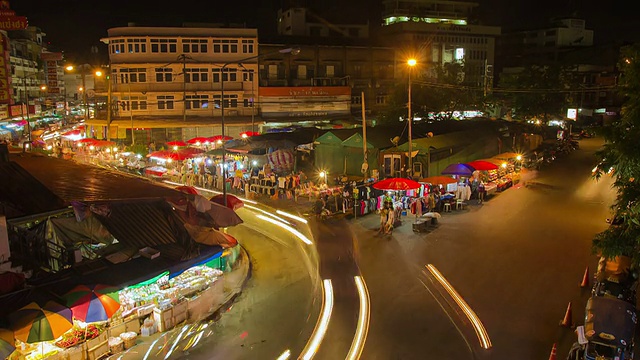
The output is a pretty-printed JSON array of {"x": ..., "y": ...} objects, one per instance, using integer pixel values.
[{"x": 174, "y": 87}]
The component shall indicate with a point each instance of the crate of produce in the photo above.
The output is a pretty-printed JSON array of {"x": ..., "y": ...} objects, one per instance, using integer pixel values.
[{"x": 129, "y": 339}]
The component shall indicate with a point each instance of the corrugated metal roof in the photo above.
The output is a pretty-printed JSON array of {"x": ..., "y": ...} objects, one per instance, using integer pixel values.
[
  {"x": 72, "y": 181},
  {"x": 22, "y": 194}
]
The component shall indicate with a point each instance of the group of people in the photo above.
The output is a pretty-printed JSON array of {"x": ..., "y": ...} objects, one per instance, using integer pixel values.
[{"x": 387, "y": 217}]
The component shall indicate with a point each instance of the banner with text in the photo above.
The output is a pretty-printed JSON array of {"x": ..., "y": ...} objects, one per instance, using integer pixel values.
[{"x": 305, "y": 101}]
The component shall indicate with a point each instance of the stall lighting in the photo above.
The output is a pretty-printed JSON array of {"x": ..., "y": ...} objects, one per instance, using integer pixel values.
[
  {"x": 504, "y": 165},
  {"x": 244, "y": 136},
  {"x": 197, "y": 143},
  {"x": 115, "y": 149},
  {"x": 49, "y": 147},
  {"x": 209, "y": 161},
  {"x": 92, "y": 147},
  {"x": 519, "y": 157},
  {"x": 175, "y": 148},
  {"x": 139, "y": 156},
  {"x": 254, "y": 163},
  {"x": 219, "y": 141},
  {"x": 322, "y": 174},
  {"x": 240, "y": 166},
  {"x": 169, "y": 160},
  {"x": 323, "y": 323}
]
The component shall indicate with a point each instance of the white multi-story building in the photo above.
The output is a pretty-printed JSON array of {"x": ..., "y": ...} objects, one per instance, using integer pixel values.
[
  {"x": 438, "y": 32},
  {"x": 172, "y": 77}
]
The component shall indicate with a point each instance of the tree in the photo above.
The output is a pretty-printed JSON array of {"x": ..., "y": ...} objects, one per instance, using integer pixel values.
[
  {"x": 536, "y": 91},
  {"x": 441, "y": 94},
  {"x": 621, "y": 155}
]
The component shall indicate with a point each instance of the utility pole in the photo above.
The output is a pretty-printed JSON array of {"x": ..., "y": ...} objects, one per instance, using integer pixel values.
[
  {"x": 365, "y": 161},
  {"x": 184, "y": 87},
  {"x": 109, "y": 105}
]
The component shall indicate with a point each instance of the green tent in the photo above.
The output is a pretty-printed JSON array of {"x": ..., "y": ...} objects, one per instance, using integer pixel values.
[
  {"x": 329, "y": 153},
  {"x": 354, "y": 155}
]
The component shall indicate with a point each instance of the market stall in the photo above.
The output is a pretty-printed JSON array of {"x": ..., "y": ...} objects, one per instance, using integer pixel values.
[{"x": 99, "y": 320}]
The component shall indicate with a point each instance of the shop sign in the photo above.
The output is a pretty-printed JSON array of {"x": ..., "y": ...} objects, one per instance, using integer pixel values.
[
  {"x": 51, "y": 56},
  {"x": 17, "y": 110},
  {"x": 13, "y": 22},
  {"x": 5, "y": 80},
  {"x": 306, "y": 92},
  {"x": 4, "y": 111}
]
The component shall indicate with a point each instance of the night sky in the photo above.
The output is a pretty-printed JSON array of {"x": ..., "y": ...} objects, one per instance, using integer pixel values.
[{"x": 74, "y": 26}]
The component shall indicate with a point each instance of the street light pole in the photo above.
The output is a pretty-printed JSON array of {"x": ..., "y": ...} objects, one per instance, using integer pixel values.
[
  {"x": 26, "y": 94},
  {"x": 411, "y": 63},
  {"x": 222, "y": 124}
]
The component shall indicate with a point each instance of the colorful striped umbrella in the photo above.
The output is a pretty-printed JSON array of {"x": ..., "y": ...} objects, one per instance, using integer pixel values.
[
  {"x": 93, "y": 303},
  {"x": 7, "y": 343},
  {"x": 33, "y": 323}
]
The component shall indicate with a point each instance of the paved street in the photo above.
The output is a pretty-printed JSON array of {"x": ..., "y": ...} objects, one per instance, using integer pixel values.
[{"x": 517, "y": 260}]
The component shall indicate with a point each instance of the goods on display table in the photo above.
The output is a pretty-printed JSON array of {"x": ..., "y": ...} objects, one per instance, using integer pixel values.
[{"x": 155, "y": 305}]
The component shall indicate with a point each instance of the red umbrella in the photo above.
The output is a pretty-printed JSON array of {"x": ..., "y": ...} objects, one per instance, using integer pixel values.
[
  {"x": 76, "y": 132},
  {"x": 89, "y": 141},
  {"x": 439, "y": 180},
  {"x": 482, "y": 165},
  {"x": 103, "y": 143},
  {"x": 187, "y": 189},
  {"x": 219, "y": 137},
  {"x": 198, "y": 140},
  {"x": 232, "y": 202},
  {"x": 177, "y": 143},
  {"x": 396, "y": 184}
]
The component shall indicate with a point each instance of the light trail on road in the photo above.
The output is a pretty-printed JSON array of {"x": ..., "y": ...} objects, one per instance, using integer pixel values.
[
  {"x": 287, "y": 227},
  {"x": 481, "y": 332},
  {"x": 291, "y": 216},
  {"x": 363, "y": 320},
  {"x": 323, "y": 323}
]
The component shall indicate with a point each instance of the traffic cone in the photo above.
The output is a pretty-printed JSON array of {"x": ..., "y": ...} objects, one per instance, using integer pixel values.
[
  {"x": 585, "y": 278},
  {"x": 554, "y": 349},
  {"x": 567, "y": 321}
]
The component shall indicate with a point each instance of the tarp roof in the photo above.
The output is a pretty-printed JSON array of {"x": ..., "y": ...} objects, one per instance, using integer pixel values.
[
  {"x": 21, "y": 194},
  {"x": 356, "y": 141}
]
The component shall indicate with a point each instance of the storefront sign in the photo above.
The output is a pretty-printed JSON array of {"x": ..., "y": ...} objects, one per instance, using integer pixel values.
[
  {"x": 52, "y": 71},
  {"x": 5, "y": 79},
  {"x": 13, "y": 22},
  {"x": 300, "y": 102},
  {"x": 4, "y": 111}
]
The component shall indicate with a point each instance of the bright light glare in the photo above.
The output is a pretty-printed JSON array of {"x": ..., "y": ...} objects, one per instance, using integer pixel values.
[
  {"x": 286, "y": 227},
  {"x": 322, "y": 174},
  {"x": 412, "y": 62},
  {"x": 285, "y": 355},
  {"x": 519, "y": 157},
  {"x": 363, "y": 321},
  {"x": 321, "y": 328},
  {"x": 481, "y": 332},
  {"x": 302, "y": 220}
]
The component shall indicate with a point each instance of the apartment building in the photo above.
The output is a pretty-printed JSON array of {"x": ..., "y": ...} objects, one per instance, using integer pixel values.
[
  {"x": 167, "y": 82},
  {"x": 436, "y": 32}
]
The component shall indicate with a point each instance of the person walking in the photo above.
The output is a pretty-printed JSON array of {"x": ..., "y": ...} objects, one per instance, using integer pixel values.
[{"x": 384, "y": 213}]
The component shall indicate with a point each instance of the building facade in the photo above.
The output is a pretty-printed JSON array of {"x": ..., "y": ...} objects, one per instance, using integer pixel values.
[
  {"x": 436, "y": 32},
  {"x": 169, "y": 77}
]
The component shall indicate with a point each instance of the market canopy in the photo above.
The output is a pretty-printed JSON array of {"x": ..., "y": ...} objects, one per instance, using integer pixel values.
[
  {"x": 33, "y": 323},
  {"x": 397, "y": 184},
  {"x": 233, "y": 202},
  {"x": 176, "y": 155},
  {"x": 198, "y": 140},
  {"x": 439, "y": 180},
  {"x": 458, "y": 169},
  {"x": 177, "y": 143},
  {"x": 482, "y": 165},
  {"x": 93, "y": 303}
]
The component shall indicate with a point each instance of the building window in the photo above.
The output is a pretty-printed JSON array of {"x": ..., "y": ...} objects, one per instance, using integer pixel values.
[
  {"x": 272, "y": 72},
  {"x": 230, "y": 101},
  {"x": 356, "y": 99},
  {"x": 357, "y": 71},
  {"x": 330, "y": 71},
  {"x": 117, "y": 46},
  {"x": 136, "y": 46},
  {"x": 302, "y": 71},
  {"x": 138, "y": 103},
  {"x": 248, "y": 102},
  {"x": 197, "y": 101},
  {"x": 197, "y": 75},
  {"x": 165, "y": 102},
  {"x": 247, "y": 75},
  {"x": 216, "y": 75},
  {"x": 194, "y": 45},
  {"x": 164, "y": 45},
  {"x": 225, "y": 46},
  {"x": 127, "y": 75},
  {"x": 163, "y": 75},
  {"x": 381, "y": 99},
  {"x": 247, "y": 46},
  {"x": 230, "y": 74}
]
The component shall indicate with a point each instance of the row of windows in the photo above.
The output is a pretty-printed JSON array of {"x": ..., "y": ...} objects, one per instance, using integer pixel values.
[
  {"x": 187, "y": 46},
  {"x": 380, "y": 99},
  {"x": 192, "y": 102},
  {"x": 139, "y": 75},
  {"x": 454, "y": 39}
]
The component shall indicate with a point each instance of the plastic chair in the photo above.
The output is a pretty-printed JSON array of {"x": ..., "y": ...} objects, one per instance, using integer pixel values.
[
  {"x": 459, "y": 204},
  {"x": 447, "y": 207}
]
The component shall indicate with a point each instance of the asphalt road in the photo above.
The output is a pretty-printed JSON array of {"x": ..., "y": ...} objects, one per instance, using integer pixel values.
[{"x": 517, "y": 260}]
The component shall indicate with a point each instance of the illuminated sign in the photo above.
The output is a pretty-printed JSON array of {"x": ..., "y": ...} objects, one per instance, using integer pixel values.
[
  {"x": 13, "y": 22},
  {"x": 572, "y": 114},
  {"x": 459, "y": 53}
]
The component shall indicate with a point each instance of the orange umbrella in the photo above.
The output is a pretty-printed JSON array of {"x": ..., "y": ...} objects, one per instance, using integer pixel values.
[{"x": 439, "y": 180}]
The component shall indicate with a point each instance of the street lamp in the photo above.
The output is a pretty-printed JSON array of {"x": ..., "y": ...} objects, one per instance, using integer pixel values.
[
  {"x": 294, "y": 51},
  {"x": 411, "y": 63}
]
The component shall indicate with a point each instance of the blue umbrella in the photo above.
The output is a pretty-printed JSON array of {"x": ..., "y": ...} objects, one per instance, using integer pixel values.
[{"x": 458, "y": 169}]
